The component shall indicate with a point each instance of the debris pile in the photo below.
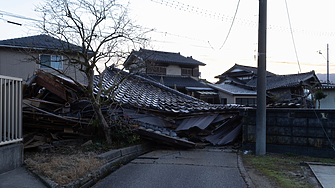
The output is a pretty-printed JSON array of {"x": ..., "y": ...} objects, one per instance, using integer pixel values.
[{"x": 157, "y": 112}]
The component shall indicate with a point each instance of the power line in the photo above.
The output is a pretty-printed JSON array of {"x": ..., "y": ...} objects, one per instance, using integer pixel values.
[
  {"x": 249, "y": 23},
  {"x": 18, "y": 16},
  {"x": 295, "y": 49},
  {"x": 232, "y": 23}
]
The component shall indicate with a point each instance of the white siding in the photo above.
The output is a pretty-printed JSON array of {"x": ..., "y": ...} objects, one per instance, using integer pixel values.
[
  {"x": 21, "y": 65},
  {"x": 329, "y": 101}
]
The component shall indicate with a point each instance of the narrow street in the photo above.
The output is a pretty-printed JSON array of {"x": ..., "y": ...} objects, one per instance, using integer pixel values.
[{"x": 173, "y": 168}]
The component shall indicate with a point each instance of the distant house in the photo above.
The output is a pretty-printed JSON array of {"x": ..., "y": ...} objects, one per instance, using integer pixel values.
[
  {"x": 20, "y": 57},
  {"x": 173, "y": 70},
  {"x": 238, "y": 85},
  {"x": 329, "y": 101},
  {"x": 239, "y": 74}
]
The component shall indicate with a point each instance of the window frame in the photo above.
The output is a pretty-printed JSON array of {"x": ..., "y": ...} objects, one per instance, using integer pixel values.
[
  {"x": 60, "y": 61},
  {"x": 160, "y": 70},
  {"x": 186, "y": 71}
]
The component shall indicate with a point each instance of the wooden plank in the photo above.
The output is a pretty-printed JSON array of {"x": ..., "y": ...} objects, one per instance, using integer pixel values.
[{"x": 34, "y": 144}]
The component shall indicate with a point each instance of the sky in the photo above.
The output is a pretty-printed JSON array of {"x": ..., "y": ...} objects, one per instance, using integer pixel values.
[{"x": 206, "y": 31}]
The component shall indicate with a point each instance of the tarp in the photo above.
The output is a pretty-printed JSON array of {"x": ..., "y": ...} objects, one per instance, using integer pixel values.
[{"x": 201, "y": 122}]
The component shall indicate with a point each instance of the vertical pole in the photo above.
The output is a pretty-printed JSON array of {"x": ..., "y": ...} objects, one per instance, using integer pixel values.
[
  {"x": 327, "y": 64},
  {"x": 1, "y": 110},
  {"x": 261, "y": 81}
]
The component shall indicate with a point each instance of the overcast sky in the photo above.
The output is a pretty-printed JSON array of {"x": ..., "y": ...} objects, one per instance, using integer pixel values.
[{"x": 199, "y": 28}]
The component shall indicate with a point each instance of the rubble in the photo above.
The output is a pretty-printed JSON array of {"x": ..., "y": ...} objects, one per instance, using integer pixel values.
[{"x": 154, "y": 111}]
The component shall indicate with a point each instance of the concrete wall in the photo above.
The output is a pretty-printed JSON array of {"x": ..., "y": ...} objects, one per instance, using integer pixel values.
[
  {"x": 297, "y": 131},
  {"x": 11, "y": 157},
  {"x": 21, "y": 65}
]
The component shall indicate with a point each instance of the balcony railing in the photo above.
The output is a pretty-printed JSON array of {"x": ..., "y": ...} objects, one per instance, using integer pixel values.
[{"x": 10, "y": 110}]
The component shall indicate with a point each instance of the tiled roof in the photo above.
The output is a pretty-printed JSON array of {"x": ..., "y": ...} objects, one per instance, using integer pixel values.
[
  {"x": 137, "y": 91},
  {"x": 41, "y": 42},
  {"x": 232, "y": 89},
  {"x": 164, "y": 57},
  {"x": 280, "y": 81},
  {"x": 179, "y": 81},
  {"x": 245, "y": 68}
]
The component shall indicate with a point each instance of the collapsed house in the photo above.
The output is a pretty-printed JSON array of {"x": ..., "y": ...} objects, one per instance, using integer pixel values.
[{"x": 156, "y": 111}]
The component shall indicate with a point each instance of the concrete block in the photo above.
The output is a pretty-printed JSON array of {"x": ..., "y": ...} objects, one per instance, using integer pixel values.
[
  {"x": 271, "y": 121},
  {"x": 284, "y": 121},
  {"x": 110, "y": 155},
  {"x": 277, "y": 130},
  {"x": 251, "y": 129},
  {"x": 315, "y": 142},
  {"x": 128, "y": 150},
  {"x": 299, "y": 141},
  {"x": 317, "y": 132},
  {"x": 284, "y": 140},
  {"x": 299, "y": 131},
  {"x": 139, "y": 148},
  {"x": 299, "y": 122},
  {"x": 11, "y": 157}
]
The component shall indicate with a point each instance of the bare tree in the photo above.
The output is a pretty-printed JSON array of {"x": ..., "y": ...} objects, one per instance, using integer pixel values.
[{"x": 105, "y": 35}]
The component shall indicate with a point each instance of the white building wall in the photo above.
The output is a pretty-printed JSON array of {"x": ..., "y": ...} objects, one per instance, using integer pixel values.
[
  {"x": 173, "y": 70},
  {"x": 21, "y": 65},
  {"x": 230, "y": 98},
  {"x": 329, "y": 101}
]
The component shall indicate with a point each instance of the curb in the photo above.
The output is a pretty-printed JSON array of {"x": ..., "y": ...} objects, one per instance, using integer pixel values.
[
  {"x": 114, "y": 158},
  {"x": 244, "y": 173}
]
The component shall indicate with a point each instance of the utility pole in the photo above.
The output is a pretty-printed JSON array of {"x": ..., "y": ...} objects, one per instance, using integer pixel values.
[
  {"x": 327, "y": 64},
  {"x": 261, "y": 81}
]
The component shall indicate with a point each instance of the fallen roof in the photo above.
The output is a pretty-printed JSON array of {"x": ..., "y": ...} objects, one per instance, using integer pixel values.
[
  {"x": 201, "y": 122},
  {"x": 162, "y": 57},
  {"x": 141, "y": 92}
]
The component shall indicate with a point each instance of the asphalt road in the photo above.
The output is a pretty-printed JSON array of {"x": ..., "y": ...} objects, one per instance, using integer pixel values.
[{"x": 171, "y": 168}]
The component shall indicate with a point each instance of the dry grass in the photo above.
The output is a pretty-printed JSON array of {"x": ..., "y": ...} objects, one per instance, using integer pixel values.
[
  {"x": 64, "y": 169},
  {"x": 285, "y": 170}
]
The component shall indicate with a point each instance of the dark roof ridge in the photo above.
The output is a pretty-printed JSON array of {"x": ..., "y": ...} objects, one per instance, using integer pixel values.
[
  {"x": 142, "y": 49},
  {"x": 40, "y": 42}
]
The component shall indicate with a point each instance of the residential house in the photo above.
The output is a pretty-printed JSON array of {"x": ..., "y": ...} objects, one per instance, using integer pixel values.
[
  {"x": 238, "y": 85},
  {"x": 21, "y": 57},
  {"x": 329, "y": 101},
  {"x": 173, "y": 70}
]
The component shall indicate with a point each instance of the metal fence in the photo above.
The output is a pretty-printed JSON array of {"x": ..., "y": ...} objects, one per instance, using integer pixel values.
[{"x": 10, "y": 110}]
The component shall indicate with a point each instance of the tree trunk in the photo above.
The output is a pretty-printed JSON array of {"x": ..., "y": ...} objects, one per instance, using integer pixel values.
[
  {"x": 97, "y": 107},
  {"x": 103, "y": 123}
]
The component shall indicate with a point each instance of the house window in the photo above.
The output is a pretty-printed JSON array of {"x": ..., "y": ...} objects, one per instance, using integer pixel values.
[
  {"x": 53, "y": 61},
  {"x": 223, "y": 100},
  {"x": 186, "y": 72},
  {"x": 156, "y": 70},
  {"x": 246, "y": 101}
]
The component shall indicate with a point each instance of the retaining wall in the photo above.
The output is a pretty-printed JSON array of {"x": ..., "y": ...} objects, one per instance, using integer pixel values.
[
  {"x": 296, "y": 131},
  {"x": 11, "y": 157}
]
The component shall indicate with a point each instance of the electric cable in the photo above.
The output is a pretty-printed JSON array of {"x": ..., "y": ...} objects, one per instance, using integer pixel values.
[
  {"x": 231, "y": 26},
  {"x": 295, "y": 49}
]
